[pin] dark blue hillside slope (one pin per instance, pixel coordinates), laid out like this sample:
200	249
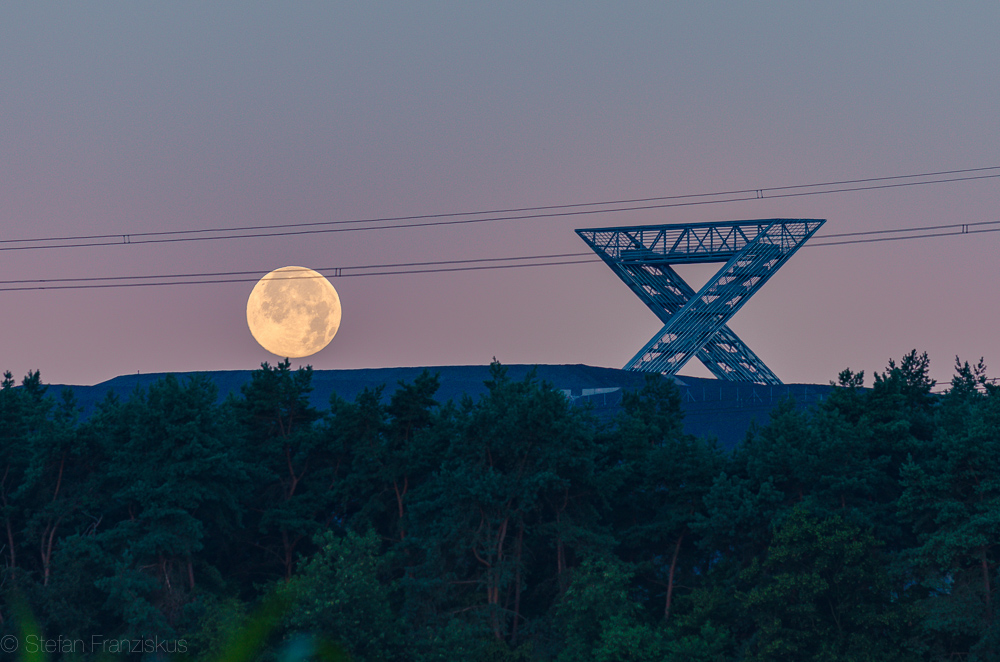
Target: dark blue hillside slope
711	407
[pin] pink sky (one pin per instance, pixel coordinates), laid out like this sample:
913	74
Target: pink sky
125	118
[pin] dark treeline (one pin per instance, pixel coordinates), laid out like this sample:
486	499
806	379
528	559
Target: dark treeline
516	527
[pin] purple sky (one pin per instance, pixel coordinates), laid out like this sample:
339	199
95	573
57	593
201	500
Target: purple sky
133	117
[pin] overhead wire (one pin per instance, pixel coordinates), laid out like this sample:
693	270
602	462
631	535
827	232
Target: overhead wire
511	210
476	264
295	269
510	214
443	266
328	272
957	229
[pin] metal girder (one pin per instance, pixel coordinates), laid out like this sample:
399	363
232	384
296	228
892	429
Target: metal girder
695	322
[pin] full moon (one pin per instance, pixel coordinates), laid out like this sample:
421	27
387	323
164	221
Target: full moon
293	312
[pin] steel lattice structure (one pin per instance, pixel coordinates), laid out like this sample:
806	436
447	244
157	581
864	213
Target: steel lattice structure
695	322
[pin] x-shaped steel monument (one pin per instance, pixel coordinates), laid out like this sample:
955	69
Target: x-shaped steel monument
695	322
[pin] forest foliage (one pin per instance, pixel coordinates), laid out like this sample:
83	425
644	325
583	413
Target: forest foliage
515	527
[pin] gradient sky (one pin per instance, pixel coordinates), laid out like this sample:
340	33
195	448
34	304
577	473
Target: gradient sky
132	117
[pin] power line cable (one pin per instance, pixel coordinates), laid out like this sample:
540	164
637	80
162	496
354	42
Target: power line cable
254	279
913	229
443	266
337	270
513	209
960	229
460	218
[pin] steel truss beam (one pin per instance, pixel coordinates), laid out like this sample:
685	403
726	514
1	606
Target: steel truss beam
695	322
